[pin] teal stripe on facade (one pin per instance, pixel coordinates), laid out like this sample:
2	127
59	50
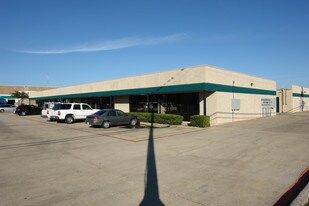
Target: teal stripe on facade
299	95
7	97
165	89
226	88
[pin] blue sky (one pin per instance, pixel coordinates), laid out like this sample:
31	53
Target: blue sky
63	42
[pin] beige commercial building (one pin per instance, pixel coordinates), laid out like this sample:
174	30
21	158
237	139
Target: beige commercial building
6	93
294	99
224	95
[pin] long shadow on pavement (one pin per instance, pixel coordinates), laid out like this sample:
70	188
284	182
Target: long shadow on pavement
151	192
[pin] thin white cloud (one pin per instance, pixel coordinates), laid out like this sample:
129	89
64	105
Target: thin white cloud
111	45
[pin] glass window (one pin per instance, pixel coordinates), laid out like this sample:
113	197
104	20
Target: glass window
101	112
76	106
120	113
62	106
57	106
185	104
138	103
65	106
112	113
86	107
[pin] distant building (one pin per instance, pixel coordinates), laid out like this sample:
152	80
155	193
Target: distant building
224	95
294	99
6	93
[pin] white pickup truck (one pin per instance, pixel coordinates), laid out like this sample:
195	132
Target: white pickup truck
69	112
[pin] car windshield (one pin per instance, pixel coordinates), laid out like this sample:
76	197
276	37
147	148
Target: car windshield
101	112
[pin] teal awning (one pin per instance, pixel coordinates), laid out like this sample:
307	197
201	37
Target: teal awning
7	97
164	89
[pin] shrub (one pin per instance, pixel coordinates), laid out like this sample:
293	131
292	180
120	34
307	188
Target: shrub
200	121
171	119
143	117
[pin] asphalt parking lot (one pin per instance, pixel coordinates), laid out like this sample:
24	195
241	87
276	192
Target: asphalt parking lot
244	163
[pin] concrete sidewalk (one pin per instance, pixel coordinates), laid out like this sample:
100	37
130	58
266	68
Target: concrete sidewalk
244	163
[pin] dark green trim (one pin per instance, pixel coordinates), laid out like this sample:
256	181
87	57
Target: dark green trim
7	97
299	95
165	89
227	88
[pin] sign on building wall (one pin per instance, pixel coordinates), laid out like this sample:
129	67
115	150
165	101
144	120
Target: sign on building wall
235	104
267	105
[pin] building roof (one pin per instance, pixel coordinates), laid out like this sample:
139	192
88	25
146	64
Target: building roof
195	78
6	89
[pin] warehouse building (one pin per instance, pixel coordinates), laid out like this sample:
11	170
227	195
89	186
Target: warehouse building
224	95
294	99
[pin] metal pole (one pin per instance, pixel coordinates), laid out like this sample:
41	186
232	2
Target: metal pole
285	101
233	88
204	102
148	109
110	102
282	100
233	100
302	99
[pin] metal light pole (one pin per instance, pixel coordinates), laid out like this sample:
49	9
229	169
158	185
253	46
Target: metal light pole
233	100
302	99
282	100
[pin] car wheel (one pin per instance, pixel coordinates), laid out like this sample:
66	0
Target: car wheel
133	122
106	124
2	110
23	113
69	119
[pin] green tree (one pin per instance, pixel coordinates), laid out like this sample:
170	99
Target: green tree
20	95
